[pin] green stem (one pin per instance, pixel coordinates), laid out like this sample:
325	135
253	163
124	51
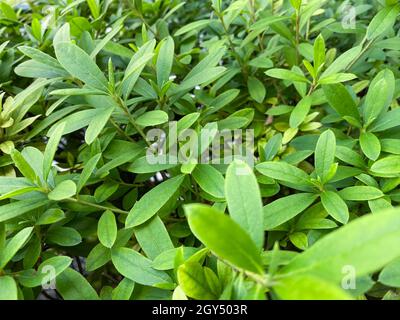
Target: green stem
97	206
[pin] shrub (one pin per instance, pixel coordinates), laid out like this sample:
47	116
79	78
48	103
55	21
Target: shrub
203	150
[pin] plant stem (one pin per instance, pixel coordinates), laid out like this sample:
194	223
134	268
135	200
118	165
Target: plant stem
97	206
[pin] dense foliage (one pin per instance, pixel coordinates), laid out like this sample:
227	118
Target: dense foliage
85	215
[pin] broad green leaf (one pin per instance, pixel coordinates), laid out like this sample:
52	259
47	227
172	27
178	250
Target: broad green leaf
78	63
17	208
196	25
388	165
379	96
107	229
362	244
285	75
335	206
210	180
124	290
137	268
370	145
224	237
360	193
244	200
256	89
193	280
340	99
285	208
63	190
272	147
390	275
63	236
23	166
152	118
14	245
153	237
97	124
336	78
73	286
308	287
153	201
300	112
319	52
383	21
325	154
164	61
284	172
9	290
50	216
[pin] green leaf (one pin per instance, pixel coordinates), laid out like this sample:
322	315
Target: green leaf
340	99
360	193
224	237
152	118
368	236
300	112
137	268
285	75
196	25
97	124
370	145
382	22
63	190
319	52
78	63
124	290
272	147
379	96
23	166
336	78
244	200
256	89
308	287
390	274
9	290
73	286
164	61
335	206
87	171
193	280
284	172
153	201
388	165
50	216
325	154
285	208
107	229
63	236
51	149
15	209
153	237
14	245
210	180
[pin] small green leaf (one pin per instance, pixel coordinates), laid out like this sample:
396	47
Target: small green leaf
51	149
284	172
152	118
285	208
244	200
136	267
210	180
335	206
14	245
153	201
325	154
256	89
370	145
164	61
285	75
390	274
224	237
107	229
63	190
73	286
360	193
388	165
9	290
300	112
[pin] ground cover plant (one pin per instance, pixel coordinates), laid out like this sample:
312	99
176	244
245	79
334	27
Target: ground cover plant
97	95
